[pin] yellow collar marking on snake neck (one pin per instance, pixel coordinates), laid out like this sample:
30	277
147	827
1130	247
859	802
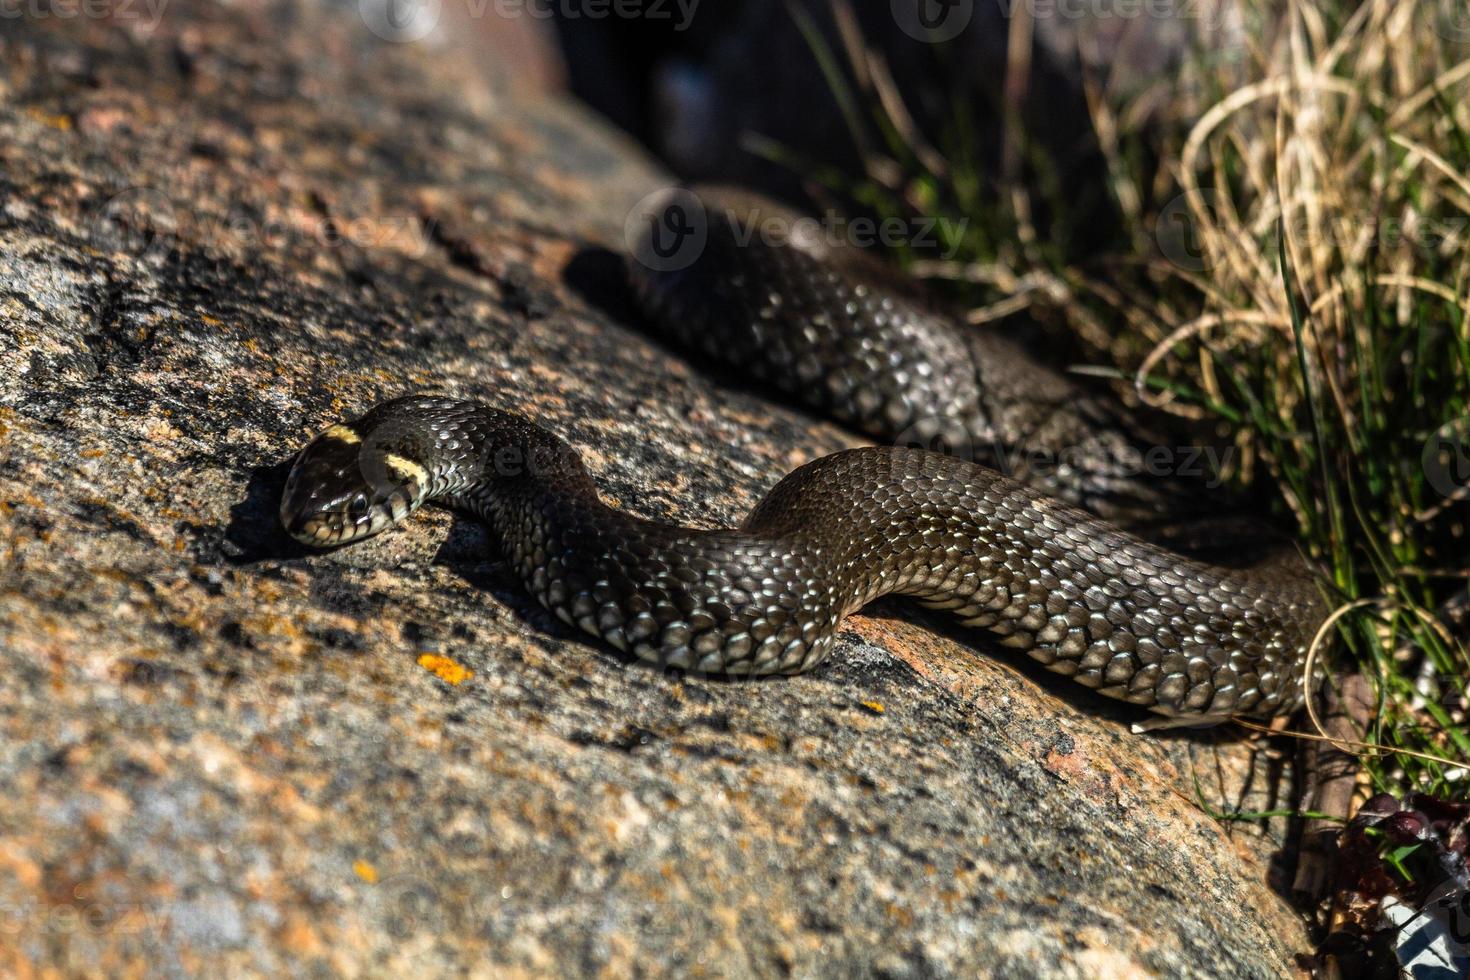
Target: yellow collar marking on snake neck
343	434
405	469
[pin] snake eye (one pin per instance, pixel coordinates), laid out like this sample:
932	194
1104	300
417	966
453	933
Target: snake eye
358	505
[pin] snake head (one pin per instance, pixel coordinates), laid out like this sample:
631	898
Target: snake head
343	488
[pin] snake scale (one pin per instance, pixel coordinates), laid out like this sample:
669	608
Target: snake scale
1044	567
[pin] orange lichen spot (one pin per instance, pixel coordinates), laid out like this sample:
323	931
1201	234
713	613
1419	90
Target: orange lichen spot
445	669
210	321
876	707
365	871
49	119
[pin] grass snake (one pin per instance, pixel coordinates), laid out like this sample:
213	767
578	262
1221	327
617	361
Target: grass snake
1039	558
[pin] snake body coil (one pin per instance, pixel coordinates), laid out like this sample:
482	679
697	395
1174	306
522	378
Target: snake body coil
1121	615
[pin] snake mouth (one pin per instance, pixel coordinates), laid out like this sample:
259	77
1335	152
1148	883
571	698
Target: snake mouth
332	529
342	522
338	494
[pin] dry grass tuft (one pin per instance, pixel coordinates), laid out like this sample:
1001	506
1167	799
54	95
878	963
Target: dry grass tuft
1328	311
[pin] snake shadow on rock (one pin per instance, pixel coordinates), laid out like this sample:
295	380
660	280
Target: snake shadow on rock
254	533
1061	686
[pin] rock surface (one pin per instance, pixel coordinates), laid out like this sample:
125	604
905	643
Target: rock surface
222	755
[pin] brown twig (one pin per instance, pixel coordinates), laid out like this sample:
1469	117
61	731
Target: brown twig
1331	776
